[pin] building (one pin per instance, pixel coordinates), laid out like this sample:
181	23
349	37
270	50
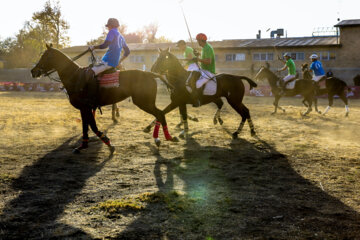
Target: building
339	53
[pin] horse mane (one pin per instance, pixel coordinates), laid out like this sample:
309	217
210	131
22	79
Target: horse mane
63	55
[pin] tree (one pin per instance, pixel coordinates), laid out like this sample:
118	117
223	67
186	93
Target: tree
53	27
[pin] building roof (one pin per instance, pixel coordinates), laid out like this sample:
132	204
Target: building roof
235	43
348	23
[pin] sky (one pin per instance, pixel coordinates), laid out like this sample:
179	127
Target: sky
218	19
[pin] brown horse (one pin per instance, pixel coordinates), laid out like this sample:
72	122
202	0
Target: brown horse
334	86
140	86
229	86
302	87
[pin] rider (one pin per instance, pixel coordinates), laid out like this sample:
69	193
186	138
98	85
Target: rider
290	66
319	73
188	55
116	42
207	64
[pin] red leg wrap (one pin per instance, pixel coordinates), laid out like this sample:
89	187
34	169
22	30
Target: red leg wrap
103	138
166	133
156	129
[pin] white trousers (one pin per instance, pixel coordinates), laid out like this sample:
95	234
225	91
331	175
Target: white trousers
317	78
100	68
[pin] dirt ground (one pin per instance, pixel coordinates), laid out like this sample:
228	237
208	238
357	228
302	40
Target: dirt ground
298	179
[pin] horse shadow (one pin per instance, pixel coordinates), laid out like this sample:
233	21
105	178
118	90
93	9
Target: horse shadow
245	190
45	188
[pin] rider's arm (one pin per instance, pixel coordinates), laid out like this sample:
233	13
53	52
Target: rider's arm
126	53
205	61
283	68
102	46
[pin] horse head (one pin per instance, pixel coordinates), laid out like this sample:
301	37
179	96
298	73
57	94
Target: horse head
305	71
45	63
262	73
166	61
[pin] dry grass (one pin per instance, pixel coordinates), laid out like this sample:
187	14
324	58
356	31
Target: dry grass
298	179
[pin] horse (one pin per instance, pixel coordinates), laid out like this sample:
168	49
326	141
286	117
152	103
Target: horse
139	85
302	87
334	86
229	86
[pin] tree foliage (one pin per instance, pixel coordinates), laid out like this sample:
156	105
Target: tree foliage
46	26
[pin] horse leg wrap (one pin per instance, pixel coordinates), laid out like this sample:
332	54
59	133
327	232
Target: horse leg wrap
103	138
166	133
156	130
84	144
240	126
251	125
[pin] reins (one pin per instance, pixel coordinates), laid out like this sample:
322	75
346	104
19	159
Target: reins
93	60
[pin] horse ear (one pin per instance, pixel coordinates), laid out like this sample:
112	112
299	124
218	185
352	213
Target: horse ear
51	45
47	46
168	49
160	50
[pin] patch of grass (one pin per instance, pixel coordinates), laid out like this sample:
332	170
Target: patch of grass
173	200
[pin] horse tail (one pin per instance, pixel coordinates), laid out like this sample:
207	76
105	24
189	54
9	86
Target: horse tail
168	85
250	81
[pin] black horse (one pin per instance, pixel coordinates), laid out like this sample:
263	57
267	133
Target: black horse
140	86
229	86
302	87
334	86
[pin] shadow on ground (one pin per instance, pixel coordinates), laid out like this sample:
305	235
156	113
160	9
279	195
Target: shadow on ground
248	190
45	188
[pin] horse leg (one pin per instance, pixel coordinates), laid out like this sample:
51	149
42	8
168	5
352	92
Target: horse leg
114	110
244	112
85	137
304	102
331	101
159	119
316	105
168	109
309	100
219	103
184	117
276	104
101	135
345	100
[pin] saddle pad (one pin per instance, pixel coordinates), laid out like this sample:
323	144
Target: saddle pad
109	80
209	89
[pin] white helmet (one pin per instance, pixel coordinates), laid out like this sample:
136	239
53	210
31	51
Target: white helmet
287	54
314	56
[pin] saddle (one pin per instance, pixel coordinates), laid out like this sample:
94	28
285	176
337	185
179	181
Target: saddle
108	78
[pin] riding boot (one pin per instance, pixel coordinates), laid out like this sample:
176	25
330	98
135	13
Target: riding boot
195	93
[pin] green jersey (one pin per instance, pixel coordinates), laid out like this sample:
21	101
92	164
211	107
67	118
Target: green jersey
291	67
189	52
208	52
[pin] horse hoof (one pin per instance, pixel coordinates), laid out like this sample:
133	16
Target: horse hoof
221	121
76	151
182	135
175	139
147	129
178	126
195	119
319	112
346	114
112	150
283	110
253	133
272	113
157	142
115	121
235	135
215	121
